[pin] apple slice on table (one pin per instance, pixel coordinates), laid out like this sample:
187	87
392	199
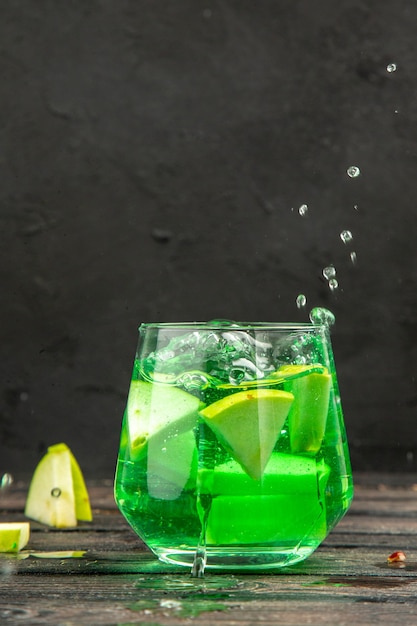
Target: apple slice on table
14	536
57	493
248	424
160	411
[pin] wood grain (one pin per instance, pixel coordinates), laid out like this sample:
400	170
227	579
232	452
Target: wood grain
117	581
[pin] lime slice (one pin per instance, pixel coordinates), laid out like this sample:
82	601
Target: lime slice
248	424
158	410
13	536
308	414
57	493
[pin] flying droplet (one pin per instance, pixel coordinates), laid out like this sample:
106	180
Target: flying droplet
353	257
391	67
333	284
329	272
346	236
301	301
303	210
322	316
56	492
353	171
6	481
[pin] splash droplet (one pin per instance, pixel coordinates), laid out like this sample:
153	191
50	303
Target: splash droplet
353	171
303	210
322	316
346	236
56	492
301	301
391	67
170	604
6	481
353	257
329	272
333	284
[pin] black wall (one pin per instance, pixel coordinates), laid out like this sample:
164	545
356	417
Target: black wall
153	157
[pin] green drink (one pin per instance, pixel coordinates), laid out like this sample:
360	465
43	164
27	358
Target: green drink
233	447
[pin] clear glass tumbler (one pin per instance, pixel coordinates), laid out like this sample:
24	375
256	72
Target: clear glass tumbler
233	453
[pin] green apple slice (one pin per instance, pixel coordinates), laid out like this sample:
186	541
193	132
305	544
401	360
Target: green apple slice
248	424
308	415
160	410
172	465
57	493
13	536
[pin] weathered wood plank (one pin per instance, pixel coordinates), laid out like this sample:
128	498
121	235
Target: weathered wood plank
117	580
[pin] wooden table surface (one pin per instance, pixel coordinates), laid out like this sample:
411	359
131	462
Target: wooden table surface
100	573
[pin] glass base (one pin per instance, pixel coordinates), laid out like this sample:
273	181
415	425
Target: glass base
237	558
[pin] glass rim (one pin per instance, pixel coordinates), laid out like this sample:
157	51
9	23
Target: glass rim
232	326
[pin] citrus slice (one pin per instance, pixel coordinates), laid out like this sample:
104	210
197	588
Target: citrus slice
158	410
13	536
308	415
248	424
57	493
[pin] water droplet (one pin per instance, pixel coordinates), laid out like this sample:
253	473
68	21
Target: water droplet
391	67
329	272
163	449
353	257
333	284
346	236
322	316
170	604
303	210
199	564
221	322
355	206
56	492
301	301
6	481
353	171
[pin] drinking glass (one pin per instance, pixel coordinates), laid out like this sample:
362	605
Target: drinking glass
233	452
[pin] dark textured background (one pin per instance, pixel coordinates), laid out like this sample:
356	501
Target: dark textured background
153	156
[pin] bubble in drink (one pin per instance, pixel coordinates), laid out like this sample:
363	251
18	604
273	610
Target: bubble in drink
322	316
391	67
353	171
329	272
6	481
333	284
303	210
301	301
346	236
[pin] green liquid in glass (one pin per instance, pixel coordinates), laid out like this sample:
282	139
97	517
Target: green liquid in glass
185	485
